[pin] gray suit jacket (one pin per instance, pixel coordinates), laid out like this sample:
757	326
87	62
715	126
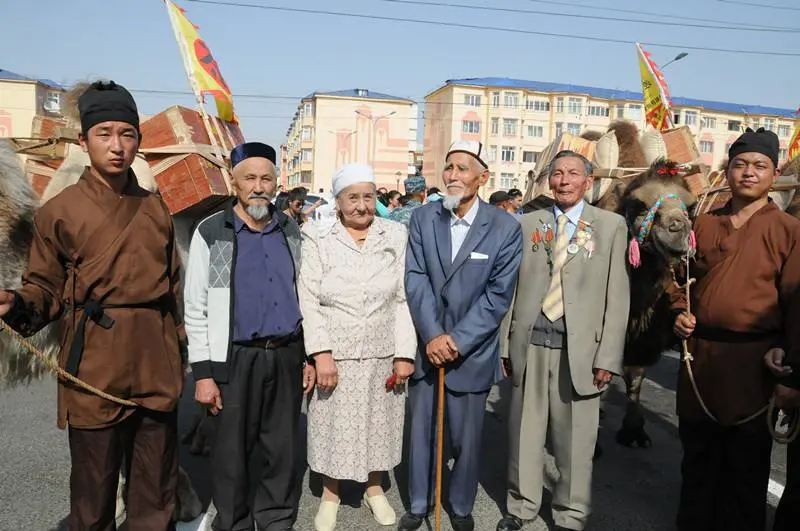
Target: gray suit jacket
466	298
596	298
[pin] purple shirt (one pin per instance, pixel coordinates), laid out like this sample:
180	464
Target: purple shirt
265	298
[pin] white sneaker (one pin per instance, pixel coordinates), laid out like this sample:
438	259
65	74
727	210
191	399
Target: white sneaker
326	516
381	510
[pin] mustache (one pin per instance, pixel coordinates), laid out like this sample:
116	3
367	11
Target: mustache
266	197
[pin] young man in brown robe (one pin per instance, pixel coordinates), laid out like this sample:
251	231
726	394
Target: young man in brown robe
104	259
744	302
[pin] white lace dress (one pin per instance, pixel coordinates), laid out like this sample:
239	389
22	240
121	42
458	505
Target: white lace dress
354	305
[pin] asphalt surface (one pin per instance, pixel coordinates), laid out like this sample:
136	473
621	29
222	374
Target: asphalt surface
634	489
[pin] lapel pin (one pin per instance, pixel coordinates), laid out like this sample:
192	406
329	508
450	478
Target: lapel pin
572	248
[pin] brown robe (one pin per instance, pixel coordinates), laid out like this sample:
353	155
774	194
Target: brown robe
118	250
746	300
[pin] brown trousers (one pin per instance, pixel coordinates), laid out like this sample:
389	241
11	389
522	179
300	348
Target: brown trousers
146	444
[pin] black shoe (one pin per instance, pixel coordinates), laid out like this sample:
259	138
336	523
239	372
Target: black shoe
410	522
462	523
510	523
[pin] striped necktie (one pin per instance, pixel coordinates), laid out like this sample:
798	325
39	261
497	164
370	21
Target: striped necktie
553	306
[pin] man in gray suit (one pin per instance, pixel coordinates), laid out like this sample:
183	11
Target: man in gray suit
567	332
461	268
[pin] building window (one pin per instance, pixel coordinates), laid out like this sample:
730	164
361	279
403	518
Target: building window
769	124
537	105
507	181
530	156
598	110
620	111
706	146
495	126
635	112
709	122
472	100
560	104
574	129
306	133
52	101
306	155
307	109
784	131
511	100
574	105
495	99
559	128
509	127
755	123
782	154
690	117
676	117
492	154
491	180
507	155
469	126
536	131
734	125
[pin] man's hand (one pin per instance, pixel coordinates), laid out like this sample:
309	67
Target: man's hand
6	299
309	377
786	397
403	369
441	350
602	378
207	393
684	325
327	374
774	362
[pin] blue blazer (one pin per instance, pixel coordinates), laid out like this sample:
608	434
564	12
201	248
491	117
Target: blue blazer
466	298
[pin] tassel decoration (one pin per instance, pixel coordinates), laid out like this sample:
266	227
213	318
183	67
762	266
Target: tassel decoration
692	240
634	258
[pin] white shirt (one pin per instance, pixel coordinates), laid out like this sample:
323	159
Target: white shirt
573	216
459	227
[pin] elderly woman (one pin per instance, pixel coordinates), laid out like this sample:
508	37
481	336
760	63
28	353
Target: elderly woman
358	328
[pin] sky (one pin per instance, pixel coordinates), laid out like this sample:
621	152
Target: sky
283	56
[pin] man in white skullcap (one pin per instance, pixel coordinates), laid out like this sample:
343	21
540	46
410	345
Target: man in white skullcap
461	270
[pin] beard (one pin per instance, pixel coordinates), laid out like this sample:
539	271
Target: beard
451	202
258	211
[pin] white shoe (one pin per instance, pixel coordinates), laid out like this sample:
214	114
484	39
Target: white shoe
326	516
381	510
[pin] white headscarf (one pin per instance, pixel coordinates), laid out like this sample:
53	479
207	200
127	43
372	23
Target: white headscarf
350	174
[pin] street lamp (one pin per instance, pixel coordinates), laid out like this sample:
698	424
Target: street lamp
374	120
677	58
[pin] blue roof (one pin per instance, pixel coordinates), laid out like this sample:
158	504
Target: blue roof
353	93
610	94
11	76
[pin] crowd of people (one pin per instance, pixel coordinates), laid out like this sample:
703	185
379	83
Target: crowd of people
369	311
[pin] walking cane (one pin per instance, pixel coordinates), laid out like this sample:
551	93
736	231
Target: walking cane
439	450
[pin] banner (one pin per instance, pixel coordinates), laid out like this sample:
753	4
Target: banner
655	92
794	144
201	67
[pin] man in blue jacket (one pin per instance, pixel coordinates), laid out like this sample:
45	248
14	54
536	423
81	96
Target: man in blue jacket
461	270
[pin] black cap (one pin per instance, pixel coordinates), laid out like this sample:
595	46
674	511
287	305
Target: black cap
105	101
761	141
498	197
252	149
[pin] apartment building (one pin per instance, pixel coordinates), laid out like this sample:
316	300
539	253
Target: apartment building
22	98
516	119
330	129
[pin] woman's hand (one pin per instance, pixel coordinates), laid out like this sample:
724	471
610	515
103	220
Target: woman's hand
327	375
403	369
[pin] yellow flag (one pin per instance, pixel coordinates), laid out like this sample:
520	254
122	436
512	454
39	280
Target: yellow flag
201	67
655	92
794	144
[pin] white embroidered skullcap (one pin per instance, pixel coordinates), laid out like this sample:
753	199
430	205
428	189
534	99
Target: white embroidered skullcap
471	147
350	174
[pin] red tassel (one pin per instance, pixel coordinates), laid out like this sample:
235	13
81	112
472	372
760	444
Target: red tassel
692	240
634	258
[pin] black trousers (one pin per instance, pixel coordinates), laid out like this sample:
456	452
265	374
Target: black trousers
146	444
260	403
725	473
787	518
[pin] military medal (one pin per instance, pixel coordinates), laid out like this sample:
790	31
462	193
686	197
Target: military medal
536	238
572	248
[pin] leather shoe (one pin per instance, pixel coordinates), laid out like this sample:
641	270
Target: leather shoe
410	522
462	523
510	523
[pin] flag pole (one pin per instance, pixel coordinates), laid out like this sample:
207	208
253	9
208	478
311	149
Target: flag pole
217	150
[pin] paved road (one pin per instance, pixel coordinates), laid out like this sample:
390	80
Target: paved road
635	490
